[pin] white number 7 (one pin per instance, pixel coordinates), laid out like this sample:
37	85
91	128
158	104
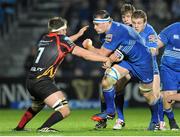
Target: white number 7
39	54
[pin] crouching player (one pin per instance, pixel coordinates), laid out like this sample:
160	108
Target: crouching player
52	48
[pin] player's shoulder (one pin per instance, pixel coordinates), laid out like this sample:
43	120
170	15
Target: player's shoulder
149	28
118	26
171	28
66	39
174	25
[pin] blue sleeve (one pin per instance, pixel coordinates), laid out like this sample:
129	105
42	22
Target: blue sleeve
163	36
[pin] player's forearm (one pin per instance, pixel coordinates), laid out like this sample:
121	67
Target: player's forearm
88	55
95	50
74	37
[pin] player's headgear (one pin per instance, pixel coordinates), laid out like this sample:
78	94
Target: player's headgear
101	16
56	24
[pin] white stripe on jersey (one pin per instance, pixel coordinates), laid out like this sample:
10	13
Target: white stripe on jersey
170	53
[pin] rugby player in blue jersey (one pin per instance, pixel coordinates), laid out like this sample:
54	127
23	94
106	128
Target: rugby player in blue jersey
126	13
123	41
147	32
170	68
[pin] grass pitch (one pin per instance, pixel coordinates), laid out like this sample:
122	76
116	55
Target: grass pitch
80	124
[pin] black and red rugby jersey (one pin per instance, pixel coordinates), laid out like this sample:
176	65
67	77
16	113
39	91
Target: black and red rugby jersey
52	49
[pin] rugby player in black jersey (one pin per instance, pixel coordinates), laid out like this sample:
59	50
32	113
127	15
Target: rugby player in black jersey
52	48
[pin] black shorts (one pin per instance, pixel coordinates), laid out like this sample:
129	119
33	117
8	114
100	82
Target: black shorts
41	89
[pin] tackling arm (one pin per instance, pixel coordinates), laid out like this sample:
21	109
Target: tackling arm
115	57
88	55
87	44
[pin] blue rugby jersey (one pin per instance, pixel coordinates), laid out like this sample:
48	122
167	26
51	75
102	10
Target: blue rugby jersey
170	36
150	39
149	36
129	42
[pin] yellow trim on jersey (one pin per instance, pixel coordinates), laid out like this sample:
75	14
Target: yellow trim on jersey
50	72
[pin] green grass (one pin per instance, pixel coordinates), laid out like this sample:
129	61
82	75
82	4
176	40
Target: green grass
79	124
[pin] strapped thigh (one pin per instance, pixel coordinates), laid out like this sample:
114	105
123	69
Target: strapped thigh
144	90
59	104
111	77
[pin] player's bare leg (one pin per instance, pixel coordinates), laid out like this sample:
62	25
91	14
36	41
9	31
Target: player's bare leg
58	102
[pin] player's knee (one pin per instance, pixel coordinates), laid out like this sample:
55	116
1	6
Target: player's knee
106	84
111	77
166	104
37	105
62	106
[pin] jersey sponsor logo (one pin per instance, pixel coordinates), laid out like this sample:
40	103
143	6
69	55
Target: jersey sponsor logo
51	71
152	38
108	38
44	42
68	40
175	36
36	69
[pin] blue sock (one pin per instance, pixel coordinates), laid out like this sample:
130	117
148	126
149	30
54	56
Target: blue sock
169	113
119	102
109	99
154	112
103	106
160	110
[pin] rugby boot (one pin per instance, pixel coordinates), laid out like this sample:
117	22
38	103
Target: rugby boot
101	124
153	126
47	129
162	126
173	125
119	124
102	116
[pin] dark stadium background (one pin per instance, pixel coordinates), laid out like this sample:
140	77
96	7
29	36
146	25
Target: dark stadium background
22	22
